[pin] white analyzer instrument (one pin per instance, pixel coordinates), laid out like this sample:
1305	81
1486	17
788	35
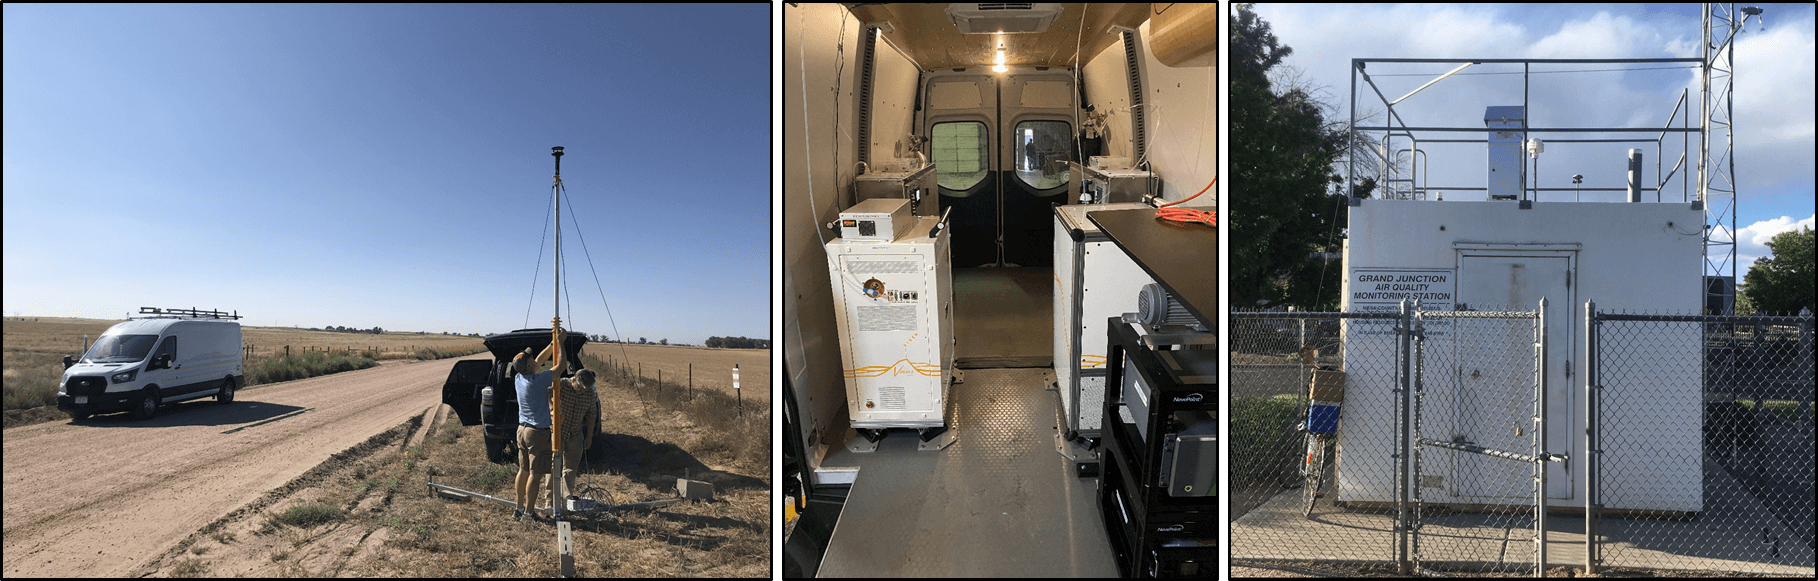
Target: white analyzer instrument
1093	281
894	309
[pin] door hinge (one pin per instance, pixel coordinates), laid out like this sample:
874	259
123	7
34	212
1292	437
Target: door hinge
1568	369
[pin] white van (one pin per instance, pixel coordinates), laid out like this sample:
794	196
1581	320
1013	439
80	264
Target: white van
142	364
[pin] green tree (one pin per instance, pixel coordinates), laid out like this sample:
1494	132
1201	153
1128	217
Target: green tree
1782	283
1282	149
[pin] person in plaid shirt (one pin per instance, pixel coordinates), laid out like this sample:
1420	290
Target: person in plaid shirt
579	417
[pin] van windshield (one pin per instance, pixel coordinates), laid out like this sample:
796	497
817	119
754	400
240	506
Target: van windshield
120	348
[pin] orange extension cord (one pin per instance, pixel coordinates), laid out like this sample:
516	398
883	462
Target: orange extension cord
1207	217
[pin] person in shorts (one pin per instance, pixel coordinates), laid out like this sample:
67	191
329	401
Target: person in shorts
533	424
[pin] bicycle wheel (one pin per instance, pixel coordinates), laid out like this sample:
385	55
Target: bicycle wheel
1315	470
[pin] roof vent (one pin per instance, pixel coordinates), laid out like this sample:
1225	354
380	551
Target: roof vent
1003	17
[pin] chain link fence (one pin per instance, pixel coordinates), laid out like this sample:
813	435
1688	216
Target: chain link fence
1274	356
1683	443
1701	453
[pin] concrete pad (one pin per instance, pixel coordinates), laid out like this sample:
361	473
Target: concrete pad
1727	536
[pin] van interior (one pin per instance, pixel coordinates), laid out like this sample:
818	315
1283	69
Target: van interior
1018	109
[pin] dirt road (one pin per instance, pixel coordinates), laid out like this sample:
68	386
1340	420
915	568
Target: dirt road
99	497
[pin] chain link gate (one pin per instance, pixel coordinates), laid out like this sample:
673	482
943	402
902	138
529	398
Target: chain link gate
1480	460
1440	462
1700	450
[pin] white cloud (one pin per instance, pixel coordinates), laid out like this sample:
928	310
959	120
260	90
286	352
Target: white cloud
1774	88
1601	36
1751	240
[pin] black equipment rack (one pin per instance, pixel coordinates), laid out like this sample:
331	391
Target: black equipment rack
1152	533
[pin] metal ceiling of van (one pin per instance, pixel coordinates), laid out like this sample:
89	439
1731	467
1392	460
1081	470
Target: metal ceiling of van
932	41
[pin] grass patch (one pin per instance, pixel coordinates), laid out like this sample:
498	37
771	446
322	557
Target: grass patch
428	353
1263	438
303	366
493	477
309	515
32	385
189	568
731	436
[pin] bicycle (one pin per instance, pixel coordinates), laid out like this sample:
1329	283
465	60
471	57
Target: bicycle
1320	426
1314	469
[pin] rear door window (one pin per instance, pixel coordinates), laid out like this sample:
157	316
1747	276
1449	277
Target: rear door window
1042	149
962	154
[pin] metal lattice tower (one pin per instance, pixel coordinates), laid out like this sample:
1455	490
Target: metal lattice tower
1716	160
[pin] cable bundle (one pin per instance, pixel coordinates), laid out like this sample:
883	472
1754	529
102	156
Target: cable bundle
1207	217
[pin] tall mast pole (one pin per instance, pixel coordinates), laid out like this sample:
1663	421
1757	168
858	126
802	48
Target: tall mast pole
556	191
555	338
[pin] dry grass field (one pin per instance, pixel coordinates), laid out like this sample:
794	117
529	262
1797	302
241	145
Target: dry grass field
35	347
712	367
265	341
368	512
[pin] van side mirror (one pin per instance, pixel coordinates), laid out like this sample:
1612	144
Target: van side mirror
68	363
160	362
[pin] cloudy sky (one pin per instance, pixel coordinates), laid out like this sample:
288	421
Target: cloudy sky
1773	94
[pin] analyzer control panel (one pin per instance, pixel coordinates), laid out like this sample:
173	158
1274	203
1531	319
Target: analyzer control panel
876	219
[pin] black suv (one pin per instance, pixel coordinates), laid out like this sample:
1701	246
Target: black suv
484	393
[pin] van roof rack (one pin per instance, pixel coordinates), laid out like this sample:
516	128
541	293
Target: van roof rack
155	312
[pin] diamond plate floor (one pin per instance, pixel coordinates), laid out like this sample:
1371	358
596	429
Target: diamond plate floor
1003	313
999	501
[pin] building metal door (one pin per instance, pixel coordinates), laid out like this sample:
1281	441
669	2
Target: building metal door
1490	410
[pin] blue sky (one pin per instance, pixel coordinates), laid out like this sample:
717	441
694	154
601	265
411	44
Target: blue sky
389	165
1773	96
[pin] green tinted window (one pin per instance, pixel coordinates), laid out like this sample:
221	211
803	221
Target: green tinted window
961	154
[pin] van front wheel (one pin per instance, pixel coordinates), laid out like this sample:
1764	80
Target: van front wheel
227	392
148	404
